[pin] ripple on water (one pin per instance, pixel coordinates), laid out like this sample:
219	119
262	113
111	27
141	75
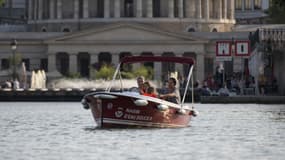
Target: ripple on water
53	131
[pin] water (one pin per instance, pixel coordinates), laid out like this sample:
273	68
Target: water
59	131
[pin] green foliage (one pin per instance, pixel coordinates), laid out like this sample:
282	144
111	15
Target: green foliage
277	11
127	75
18	59
106	72
1	3
147	72
74	75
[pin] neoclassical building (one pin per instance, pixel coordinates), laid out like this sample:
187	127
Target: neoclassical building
175	15
72	36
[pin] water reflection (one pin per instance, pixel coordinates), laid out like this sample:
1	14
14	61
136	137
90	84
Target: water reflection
52	131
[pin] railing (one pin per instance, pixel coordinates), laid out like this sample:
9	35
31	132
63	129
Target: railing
6	20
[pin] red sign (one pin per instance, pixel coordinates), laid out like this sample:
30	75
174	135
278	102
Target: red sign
242	48
223	48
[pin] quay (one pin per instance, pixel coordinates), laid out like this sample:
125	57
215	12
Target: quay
75	95
243	99
54	95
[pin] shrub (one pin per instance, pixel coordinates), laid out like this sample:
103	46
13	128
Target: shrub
74	75
105	72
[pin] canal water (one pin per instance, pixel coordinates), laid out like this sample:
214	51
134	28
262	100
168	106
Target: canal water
65	131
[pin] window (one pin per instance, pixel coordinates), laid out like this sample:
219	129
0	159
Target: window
191	30
129	8
100	8
5	64
44	64
67	9
156	8
209	66
44	29
66	30
215	30
257	4
248	5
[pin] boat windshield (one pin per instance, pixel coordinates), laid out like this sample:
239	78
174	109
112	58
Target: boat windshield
159	74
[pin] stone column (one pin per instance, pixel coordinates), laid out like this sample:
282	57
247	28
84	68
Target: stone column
117	8
51	9
242	5
251	3
198	9
200	60
190	8
85	9
206	10
170	8
115	58
52	62
106	8
73	63
136	66
40	11
180	9
157	71
179	66
93	58
225	9
219	10
76	9
232	10
30	10
139	9
149	9
59	11
35	10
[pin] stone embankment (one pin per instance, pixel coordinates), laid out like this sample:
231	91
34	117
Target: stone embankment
75	95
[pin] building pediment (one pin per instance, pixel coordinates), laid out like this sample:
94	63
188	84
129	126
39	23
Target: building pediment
122	33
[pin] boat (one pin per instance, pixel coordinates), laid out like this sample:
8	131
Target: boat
127	109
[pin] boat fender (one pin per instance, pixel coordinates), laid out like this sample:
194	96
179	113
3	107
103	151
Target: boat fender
85	104
105	96
194	113
181	111
141	102
162	107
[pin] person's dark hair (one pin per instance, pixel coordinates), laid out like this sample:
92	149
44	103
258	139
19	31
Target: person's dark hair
173	80
150	90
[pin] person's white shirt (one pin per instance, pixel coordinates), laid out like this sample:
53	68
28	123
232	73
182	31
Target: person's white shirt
16	84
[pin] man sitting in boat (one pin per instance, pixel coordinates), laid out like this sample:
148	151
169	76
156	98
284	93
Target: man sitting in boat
140	82
171	94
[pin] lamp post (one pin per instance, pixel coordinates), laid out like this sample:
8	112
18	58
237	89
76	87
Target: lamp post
13	48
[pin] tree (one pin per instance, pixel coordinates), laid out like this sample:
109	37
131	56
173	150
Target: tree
1	3
277	11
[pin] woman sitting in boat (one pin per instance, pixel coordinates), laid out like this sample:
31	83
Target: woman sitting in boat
149	90
171	94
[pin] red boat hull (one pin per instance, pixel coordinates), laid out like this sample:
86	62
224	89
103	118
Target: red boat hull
119	110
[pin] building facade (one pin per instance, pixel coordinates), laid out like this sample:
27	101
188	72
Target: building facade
178	15
251	11
81	34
